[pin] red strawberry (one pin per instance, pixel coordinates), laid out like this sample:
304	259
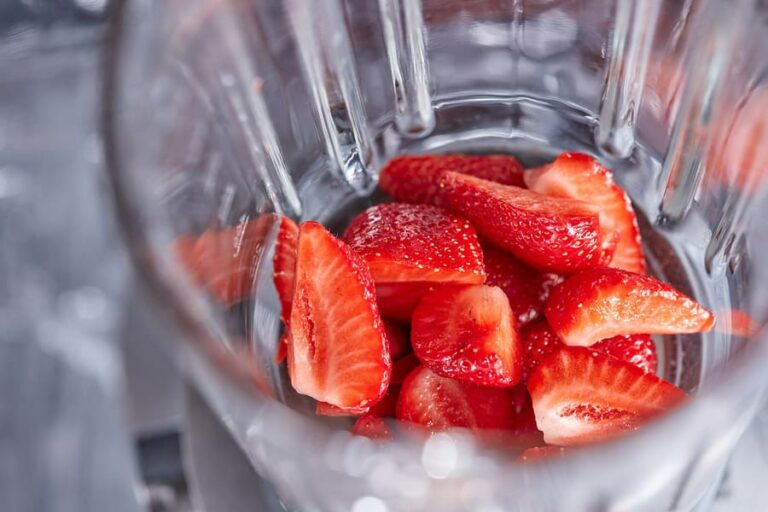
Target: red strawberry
542	452
539	341
467	332
579	176
524	425
636	349
581	396
398	300
282	348
223	261
371	426
414	179
439	403
403	367
387	407
284	264
526	287
409	248
601	303
339	352
326	409
551	234
398	340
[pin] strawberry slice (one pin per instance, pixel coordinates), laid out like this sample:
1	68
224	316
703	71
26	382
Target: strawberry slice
524	426
410	248
339	352
387	406
526	287
414	179
403	367
539	341
636	349
282	348
398	340
605	302
551	234
580	176
542	452
284	265
468	333
372	427
438	403
581	396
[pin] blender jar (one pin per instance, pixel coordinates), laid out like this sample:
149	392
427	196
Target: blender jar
221	114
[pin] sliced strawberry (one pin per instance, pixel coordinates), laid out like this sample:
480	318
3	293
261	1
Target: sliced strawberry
282	348
326	409
387	406
605	302
398	340
398	300
581	396
339	352
403	367
438	403
223	261
542	452
413	242
524	425
539	341
372	427
579	176
551	234
467	332
414	179
284	265
526	287
636	349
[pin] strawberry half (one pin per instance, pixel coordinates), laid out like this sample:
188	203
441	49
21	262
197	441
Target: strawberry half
409	248
468	333
527	289
339	352
539	341
414	179
605	302
438	403
581	396
551	234
372	427
579	176
284	265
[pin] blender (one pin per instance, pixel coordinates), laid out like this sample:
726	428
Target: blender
221	114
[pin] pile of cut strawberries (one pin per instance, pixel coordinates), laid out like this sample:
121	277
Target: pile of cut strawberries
487	297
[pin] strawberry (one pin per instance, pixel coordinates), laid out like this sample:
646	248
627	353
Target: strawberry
579	176
372	427
467	332
398	340
539	341
438	403
339	352
526	287
601	303
223	261
636	349
524	425
737	322
284	265
542	452
282	348
398	300
414	179
387	406
551	234
403	367
581	396
410	248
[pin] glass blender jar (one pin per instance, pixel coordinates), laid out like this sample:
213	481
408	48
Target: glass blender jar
220	114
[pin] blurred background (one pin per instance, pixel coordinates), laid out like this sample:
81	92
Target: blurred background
93	417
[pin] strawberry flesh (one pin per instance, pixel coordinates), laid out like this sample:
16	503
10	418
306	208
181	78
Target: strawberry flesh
468	332
582	396
579	176
372	427
339	352
438	403
551	234
601	303
415	179
526	288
